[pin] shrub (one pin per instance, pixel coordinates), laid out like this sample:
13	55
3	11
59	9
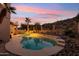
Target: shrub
70	33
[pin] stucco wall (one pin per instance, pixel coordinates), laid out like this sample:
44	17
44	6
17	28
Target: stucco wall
5	28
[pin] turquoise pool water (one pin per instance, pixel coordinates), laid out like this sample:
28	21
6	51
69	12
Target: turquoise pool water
37	43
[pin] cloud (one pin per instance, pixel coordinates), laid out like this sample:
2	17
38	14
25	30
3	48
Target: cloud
42	10
49	16
42	15
18	19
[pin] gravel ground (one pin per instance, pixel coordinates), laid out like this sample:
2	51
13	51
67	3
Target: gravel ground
70	49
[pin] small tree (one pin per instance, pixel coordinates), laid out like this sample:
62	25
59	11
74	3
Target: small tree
37	26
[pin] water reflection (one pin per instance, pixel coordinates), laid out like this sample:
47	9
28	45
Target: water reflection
36	43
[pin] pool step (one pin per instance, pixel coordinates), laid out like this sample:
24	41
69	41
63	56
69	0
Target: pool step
61	43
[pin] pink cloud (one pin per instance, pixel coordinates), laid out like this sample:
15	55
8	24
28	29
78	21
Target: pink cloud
42	10
18	19
46	14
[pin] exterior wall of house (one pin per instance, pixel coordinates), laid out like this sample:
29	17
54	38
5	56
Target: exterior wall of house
13	29
4	27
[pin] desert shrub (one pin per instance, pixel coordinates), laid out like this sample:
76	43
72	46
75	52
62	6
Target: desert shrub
69	33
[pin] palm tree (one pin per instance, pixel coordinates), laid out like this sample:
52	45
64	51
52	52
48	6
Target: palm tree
27	21
6	9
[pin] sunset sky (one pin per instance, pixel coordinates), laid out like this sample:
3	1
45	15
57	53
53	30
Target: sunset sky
44	12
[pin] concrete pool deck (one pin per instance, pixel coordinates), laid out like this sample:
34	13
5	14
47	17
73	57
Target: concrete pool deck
14	46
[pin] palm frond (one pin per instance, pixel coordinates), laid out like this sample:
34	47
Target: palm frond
27	19
12	11
12	8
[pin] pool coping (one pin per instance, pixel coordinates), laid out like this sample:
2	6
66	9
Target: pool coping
14	47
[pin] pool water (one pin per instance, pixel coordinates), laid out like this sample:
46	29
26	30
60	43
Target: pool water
37	43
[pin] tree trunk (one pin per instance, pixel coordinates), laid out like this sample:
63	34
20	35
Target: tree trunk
27	26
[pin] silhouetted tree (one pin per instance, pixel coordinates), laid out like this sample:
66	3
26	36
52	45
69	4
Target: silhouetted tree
37	26
28	20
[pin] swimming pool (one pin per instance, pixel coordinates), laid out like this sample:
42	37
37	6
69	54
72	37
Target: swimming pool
37	43
16	45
